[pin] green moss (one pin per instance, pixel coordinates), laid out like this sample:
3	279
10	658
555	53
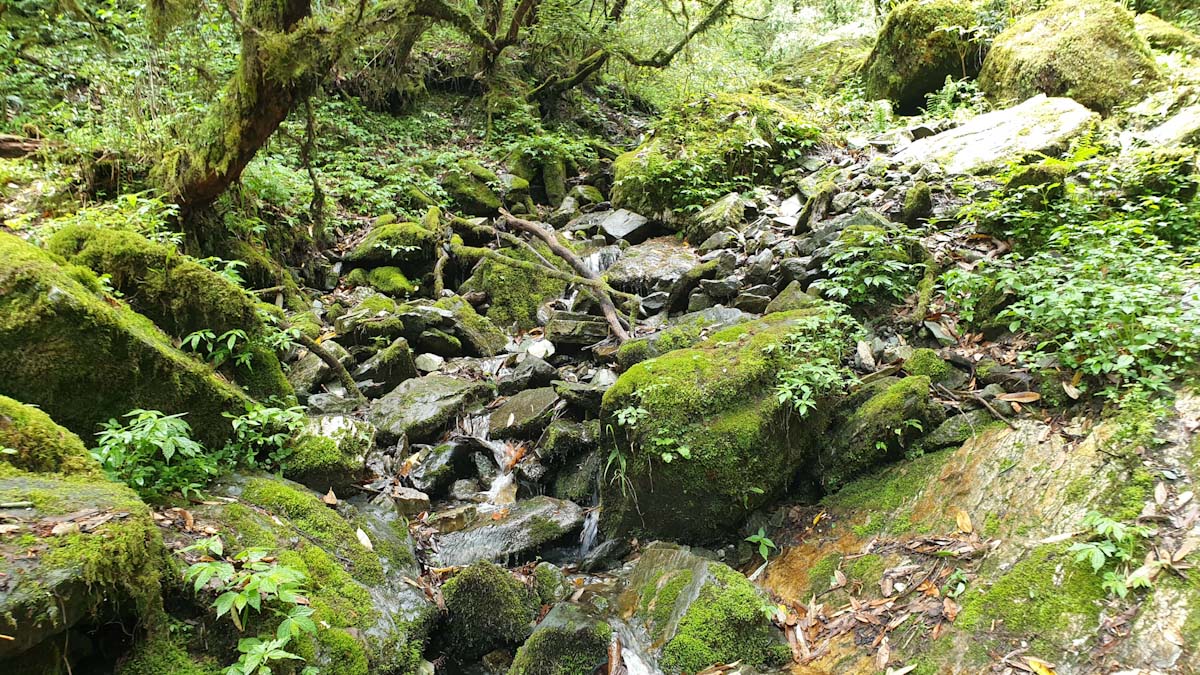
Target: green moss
913	55
481	332
394	242
1165	36
469	185
926	362
514	294
725	623
162	656
820	575
85	359
41	445
319	456
867	568
177	293
548	582
888	494
918	203
318	522
567	643
1131	495
1087	50
487	608
308	324
1045	599
389	280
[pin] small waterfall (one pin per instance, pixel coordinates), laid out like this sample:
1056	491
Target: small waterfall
587	538
633	655
503	490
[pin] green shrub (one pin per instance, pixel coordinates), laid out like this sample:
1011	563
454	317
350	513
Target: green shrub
154	454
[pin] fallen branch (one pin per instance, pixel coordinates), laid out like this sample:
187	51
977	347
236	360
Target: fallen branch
331	361
598	287
12	147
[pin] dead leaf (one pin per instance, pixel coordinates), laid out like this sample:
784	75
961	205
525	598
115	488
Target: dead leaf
1183	498
883	655
330	498
500	515
949	609
1160	493
65	528
964	521
1039	666
1020	397
1071	391
903	671
364	540
817	518
9	528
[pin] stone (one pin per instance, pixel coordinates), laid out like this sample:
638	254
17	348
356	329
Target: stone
465	489
654	265
576	480
623	224
582	397
528	525
726	214
759	268
719	240
435	468
331	452
439	342
331	403
524	415
421	408
429	363
388	367
530	372
310	372
698	302
566	642
586	194
566	438
572	328
992	141
1165	36
453	519
1182	128
566	212
751	303
409	502
720	289
1086	50
791	297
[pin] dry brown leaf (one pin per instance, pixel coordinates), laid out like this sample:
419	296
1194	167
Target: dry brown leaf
883	655
839	579
964	521
949	609
1160	493
64	528
1020	397
1072	391
330	498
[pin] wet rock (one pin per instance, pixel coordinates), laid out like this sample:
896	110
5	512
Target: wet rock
617	225
992	140
583	397
566	438
331	453
331	403
528	525
424	406
531	371
310	372
524	415
435	468
654	265
453	519
605	555
573	328
465	489
566	642
388	367
577	479
701	612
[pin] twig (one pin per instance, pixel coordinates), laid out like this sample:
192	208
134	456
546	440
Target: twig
331	361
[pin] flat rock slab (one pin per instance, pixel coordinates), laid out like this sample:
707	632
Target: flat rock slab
1182	128
520	530
524	415
991	141
619	224
421	407
654	265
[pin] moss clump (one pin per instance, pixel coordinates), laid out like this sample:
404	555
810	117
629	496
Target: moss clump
41	445
469	184
918	203
548	582
487	608
162	656
707	149
1087	50
1165	36
1045	599
566	642
85	359
308	324
177	293
926	362
322	460
887	495
913	56
514	294
388	280
394	242
479	332
725	623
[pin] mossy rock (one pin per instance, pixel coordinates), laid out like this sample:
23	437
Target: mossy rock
330	453
514	294
1165	36
701	612
486	608
387	280
705	149
103	570
469	184
825	66
718	399
162	655
683	332
40	445
177	293
479	332
392	242
1087	50
370	619
914	55
566	642
85	358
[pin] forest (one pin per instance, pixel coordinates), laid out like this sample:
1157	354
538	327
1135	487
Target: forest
599	337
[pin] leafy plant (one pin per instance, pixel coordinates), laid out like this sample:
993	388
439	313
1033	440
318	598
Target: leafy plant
955	95
871	264
956	583
765	545
815	349
1112	542
154	454
261	434
218	350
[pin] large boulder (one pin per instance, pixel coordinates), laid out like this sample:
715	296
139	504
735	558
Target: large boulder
85	358
517	531
568	641
699	613
514	293
486	608
1087	50
918	47
35	443
989	142
422	407
178	294
1166	36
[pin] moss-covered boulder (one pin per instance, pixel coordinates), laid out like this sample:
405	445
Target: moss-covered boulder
180	295
718	400
918	47
683	331
514	294
395	243
1166	36
85	358
1087	50
824	66
388	280
472	186
85	553
369	619
699	612
706	149
422	407
566	642
31	441
486	608
330	453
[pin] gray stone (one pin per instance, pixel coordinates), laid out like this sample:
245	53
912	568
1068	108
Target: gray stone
573	328
428	363
791	297
389	366
583	397
524	415
465	489
528	525
700	301
586	194
409	502
567	438
719	240
619	224
330	404
720	289
530	372
352	441
654	265
310	372
422	407
435	468
754	304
